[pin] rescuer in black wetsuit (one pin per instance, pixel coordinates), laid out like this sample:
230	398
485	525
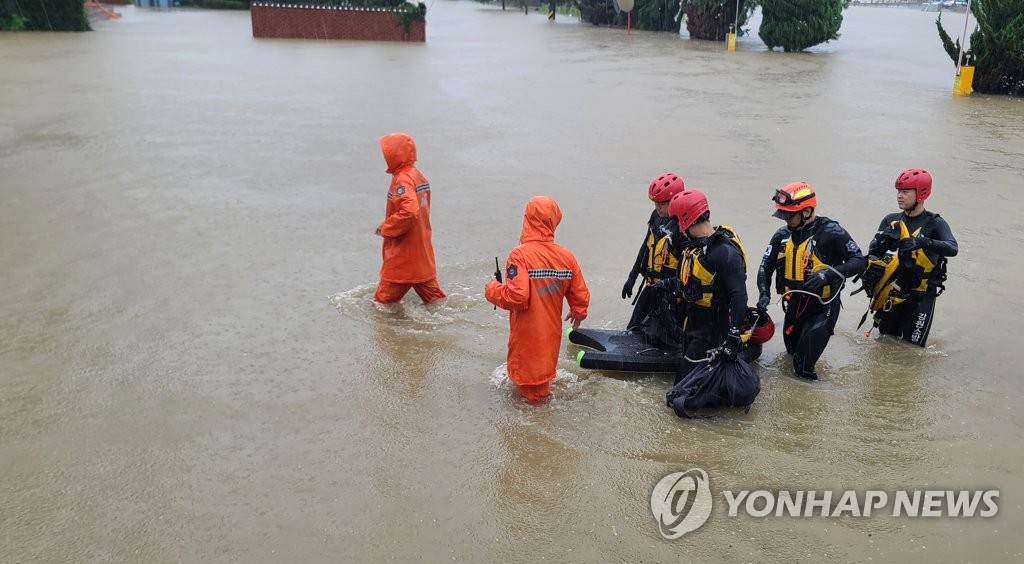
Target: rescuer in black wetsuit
811	258
922	241
712	282
659	254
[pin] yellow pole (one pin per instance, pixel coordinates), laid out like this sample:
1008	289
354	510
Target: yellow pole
731	38
964	78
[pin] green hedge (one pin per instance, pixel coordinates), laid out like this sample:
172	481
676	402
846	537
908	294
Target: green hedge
224	4
796	25
43	15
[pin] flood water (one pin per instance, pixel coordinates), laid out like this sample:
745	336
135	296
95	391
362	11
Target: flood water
191	368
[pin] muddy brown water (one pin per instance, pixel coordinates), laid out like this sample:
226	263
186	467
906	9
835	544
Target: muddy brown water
191	370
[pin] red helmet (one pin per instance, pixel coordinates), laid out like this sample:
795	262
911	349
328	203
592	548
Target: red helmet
915	179
794	197
687	206
664	187
763	327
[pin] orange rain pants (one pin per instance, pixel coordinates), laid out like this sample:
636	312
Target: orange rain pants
391	292
408	252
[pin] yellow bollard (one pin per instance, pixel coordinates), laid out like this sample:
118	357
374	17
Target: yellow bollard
963	81
551	15
731	39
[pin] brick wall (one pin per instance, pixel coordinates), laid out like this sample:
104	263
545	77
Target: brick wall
327	22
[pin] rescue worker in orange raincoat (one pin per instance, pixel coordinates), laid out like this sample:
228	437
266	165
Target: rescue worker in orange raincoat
408	250
539	274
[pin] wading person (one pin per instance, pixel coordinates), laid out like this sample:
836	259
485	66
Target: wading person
539	275
712	282
811	257
659	254
408	250
921	241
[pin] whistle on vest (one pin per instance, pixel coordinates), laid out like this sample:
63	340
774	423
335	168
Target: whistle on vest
806	259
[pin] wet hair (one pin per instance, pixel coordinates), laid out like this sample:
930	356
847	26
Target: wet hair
706	216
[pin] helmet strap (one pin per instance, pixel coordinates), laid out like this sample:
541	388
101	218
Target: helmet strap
803	218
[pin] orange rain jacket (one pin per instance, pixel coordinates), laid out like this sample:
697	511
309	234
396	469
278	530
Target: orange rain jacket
538	274
408	251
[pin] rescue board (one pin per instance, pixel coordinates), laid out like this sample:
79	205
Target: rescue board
626	351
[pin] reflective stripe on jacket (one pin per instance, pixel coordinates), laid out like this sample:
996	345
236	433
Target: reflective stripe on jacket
539	275
408	252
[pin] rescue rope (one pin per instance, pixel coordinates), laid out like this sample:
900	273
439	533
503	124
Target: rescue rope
816	296
712	354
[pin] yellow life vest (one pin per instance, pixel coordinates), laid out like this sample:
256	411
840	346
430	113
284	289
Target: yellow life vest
698	281
885	292
659	256
794	263
922	267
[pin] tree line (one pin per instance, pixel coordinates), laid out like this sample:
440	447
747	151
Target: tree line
996	45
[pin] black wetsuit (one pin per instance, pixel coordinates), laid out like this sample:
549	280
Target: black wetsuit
911	320
647	301
707	327
809	324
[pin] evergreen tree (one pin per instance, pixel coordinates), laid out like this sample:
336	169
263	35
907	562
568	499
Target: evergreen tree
43	15
599	12
649	15
712	19
796	25
996	46
656	15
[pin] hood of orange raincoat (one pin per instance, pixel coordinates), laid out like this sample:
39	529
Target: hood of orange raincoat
541	218
399	151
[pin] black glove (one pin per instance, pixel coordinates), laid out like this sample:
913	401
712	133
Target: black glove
872	275
914	243
627	289
669	285
731	345
814	282
763	301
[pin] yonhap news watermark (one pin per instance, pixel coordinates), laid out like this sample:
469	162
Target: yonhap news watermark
682	502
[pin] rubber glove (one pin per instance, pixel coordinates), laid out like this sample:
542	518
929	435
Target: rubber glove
816	281
763	301
627	288
668	285
914	243
733	342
